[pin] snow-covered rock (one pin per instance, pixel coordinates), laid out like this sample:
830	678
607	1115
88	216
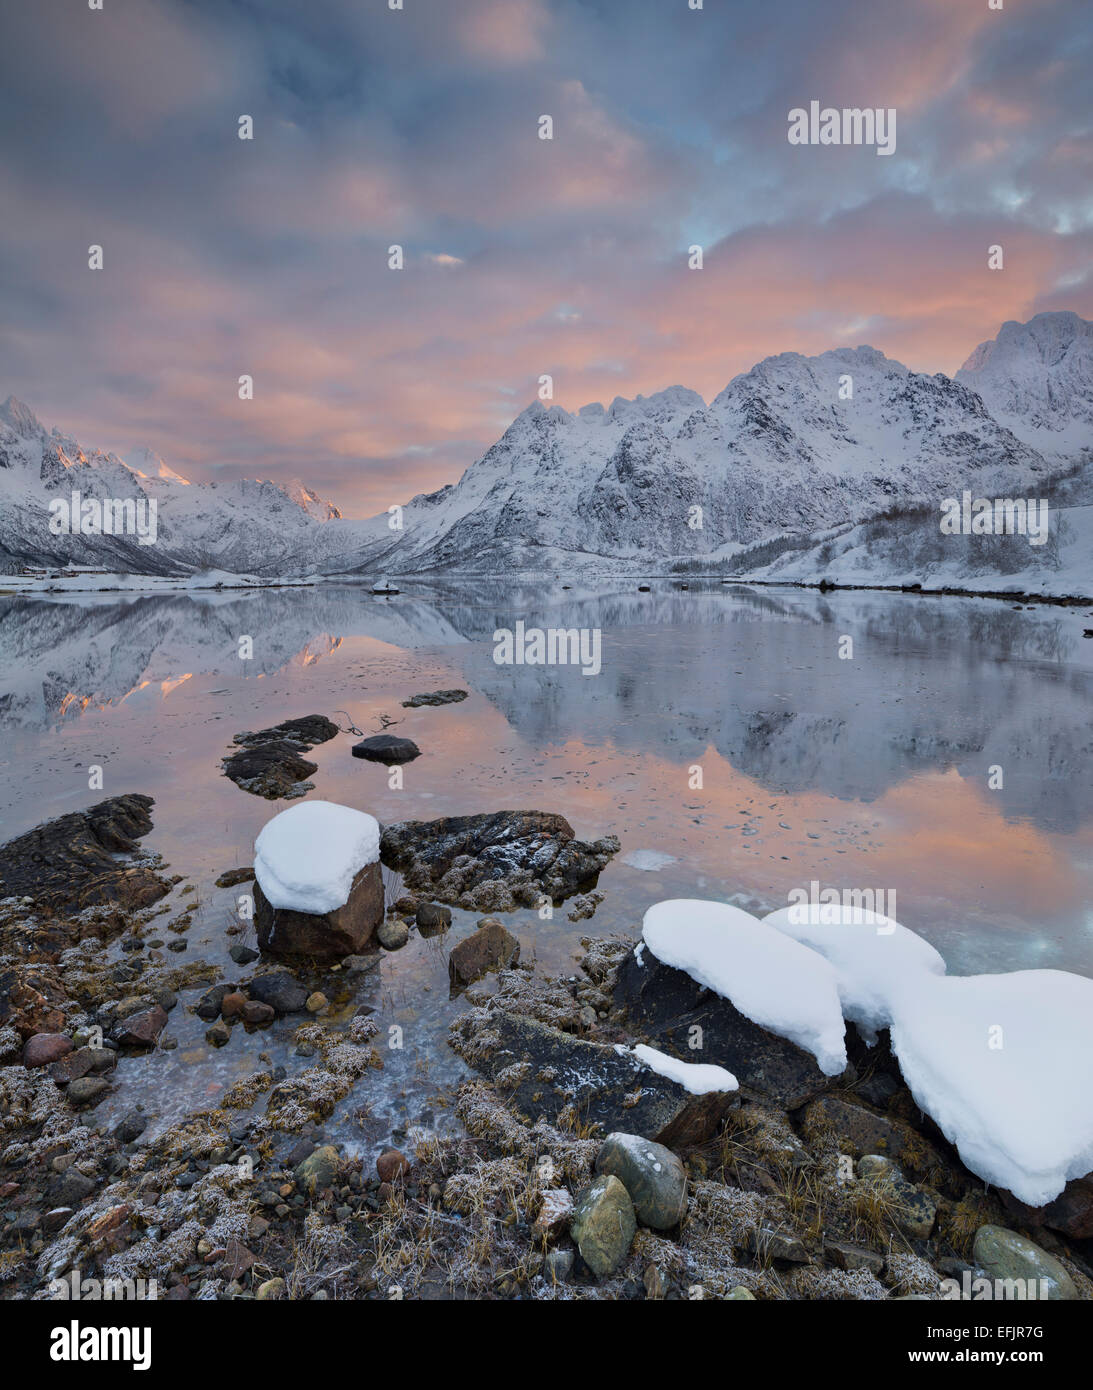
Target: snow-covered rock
771	979
871	954
1004	1065
700	1078
306	858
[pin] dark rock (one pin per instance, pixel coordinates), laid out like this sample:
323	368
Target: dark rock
433	919
131	1127
392	934
1071	1213
72	1188
495	862
208	1006
73	862
44	1048
31	999
53	1220
219	1034
86	1090
543	1071
435	697
386	748
490	947
665	1003
843	1255
233	1004
243	955
323	935
269	762
256	1012
280	991
141	1029
770	1243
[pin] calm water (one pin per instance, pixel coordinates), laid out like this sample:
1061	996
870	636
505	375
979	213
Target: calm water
870	772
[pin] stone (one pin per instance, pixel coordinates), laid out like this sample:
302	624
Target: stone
392	1165
739	1294
256	1012
1071	1213
233	1004
76	861
1003	1254
843	1255
768	1242
656	1283
316	1002
45	1048
219	1034
555	1211
495	862
652	1175
271	1291
860	1131
86	1090
243	955
360	965
208	1006
433	919
323	935
387	749
393	934
318	1170
230	877
141	1029
491	947
53	1220
603	1224
131	1127
280	991
665	1004
72	1188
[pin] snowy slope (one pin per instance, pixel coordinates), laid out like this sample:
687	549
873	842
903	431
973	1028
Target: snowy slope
795	445
240	527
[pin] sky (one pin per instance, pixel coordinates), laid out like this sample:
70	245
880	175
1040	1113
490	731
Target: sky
523	257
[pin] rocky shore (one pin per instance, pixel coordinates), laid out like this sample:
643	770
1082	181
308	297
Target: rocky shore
581	1170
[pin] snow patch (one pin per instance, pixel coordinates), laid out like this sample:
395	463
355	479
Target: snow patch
699	1078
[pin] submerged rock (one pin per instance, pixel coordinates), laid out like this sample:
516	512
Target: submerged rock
386	748
497	861
279	990
435	697
71	863
603	1225
665	1003
433	919
269	763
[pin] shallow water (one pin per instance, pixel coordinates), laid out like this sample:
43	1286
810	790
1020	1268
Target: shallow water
869	773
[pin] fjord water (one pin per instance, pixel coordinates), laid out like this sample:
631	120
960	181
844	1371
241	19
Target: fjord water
868	772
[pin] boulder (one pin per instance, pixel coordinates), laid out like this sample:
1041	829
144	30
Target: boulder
323	935
141	1029
603	1224
269	763
75	862
665	1004
280	991
652	1175
490	947
1005	1255
318	1170
392	933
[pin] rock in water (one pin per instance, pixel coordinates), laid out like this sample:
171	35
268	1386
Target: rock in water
318	889
269	763
652	1175
495	862
386	748
603	1225
1005	1255
393	934
435	697
491	947
72	862
279	990
432	919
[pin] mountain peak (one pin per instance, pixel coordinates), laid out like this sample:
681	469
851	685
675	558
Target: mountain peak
21	418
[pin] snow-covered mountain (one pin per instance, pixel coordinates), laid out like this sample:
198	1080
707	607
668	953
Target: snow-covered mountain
239	526
1036	378
797	444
